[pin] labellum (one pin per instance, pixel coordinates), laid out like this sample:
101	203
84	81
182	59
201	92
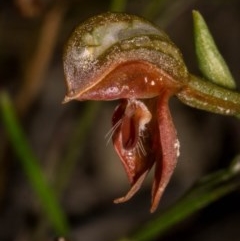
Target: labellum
120	56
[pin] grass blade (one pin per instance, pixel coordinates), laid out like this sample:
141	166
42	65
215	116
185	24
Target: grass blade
31	166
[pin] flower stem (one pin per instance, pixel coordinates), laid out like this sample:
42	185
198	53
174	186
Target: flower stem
205	95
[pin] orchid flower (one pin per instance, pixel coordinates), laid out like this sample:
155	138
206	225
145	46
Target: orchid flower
120	56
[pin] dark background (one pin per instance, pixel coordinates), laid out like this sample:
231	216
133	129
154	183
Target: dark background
32	35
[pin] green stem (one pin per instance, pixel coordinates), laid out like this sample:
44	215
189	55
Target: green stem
31	166
207	96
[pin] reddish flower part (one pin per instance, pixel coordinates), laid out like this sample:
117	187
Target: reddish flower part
143	136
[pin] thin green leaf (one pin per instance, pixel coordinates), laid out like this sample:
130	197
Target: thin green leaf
211	63
31	166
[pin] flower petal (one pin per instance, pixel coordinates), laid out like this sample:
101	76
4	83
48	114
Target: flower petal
166	163
135	187
134	152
